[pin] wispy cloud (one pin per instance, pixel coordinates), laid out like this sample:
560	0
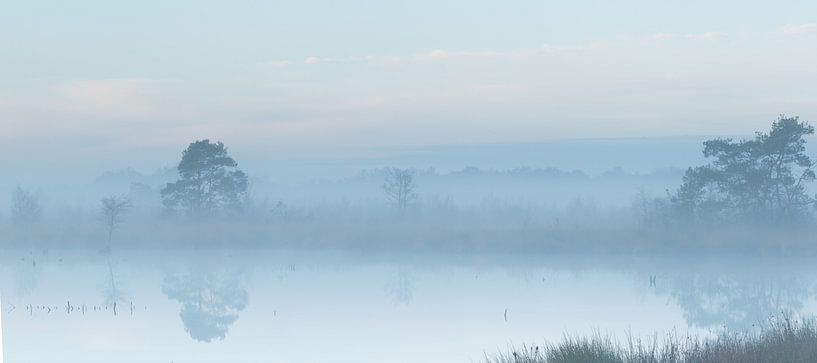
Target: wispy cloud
93	104
114	98
318	60
381	59
278	63
671	36
637	78
441	55
799	29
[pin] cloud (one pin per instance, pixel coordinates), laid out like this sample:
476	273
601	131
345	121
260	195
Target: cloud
641	77
710	35
379	59
278	63
439	55
800	29
114	98
531	52
317	60
692	36
94	106
436	54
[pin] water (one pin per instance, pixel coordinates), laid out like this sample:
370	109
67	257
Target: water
285	306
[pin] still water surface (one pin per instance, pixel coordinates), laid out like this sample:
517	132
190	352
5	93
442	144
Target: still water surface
284	306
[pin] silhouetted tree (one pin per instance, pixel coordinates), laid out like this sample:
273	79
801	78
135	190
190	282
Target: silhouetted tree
25	206
209	180
399	187
760	179
112	210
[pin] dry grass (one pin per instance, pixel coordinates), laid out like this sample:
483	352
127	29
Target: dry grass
782	339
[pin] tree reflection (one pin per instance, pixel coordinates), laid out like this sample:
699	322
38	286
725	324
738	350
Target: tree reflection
400	288
26	275
112	292
210	302
737	300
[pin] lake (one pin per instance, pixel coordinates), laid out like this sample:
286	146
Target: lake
301	306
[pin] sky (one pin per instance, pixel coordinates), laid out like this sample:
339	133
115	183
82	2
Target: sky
95	78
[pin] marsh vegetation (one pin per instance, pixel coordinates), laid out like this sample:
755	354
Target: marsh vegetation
780	339
756	195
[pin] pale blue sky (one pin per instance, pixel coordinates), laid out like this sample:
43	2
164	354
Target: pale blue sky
113	75
93	39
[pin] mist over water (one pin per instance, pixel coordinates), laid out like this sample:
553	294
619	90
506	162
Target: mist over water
221	305
388	181
461	261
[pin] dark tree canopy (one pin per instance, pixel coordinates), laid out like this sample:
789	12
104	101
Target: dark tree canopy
763	179
209	180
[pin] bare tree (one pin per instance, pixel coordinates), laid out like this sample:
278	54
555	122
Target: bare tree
25	206
400	187
112	212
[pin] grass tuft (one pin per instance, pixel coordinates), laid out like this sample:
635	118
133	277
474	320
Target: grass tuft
780	339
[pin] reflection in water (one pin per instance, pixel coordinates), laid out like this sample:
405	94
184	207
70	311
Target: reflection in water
26	274
112	292
209	292
737	301
400	288
210	302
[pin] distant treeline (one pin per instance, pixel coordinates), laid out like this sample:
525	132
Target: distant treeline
755	184
528	172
